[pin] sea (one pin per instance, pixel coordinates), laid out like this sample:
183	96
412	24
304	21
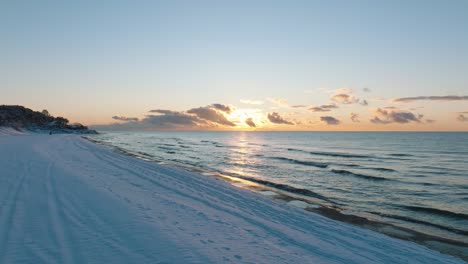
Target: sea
414	180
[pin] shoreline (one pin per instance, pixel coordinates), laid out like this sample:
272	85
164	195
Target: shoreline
64	199
331	211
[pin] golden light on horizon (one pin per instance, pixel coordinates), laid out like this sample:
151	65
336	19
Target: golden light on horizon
242	115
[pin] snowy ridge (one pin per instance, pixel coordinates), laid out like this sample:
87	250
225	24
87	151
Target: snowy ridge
8	131
66	200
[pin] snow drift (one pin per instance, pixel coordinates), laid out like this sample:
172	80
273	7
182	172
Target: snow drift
66	200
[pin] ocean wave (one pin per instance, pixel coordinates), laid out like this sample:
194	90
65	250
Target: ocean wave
209	141
248	165
165	148
421	183
417	221
255	144
378	169
301	162
296	150
427	172
400	155
364	168
368	177
350	165
341	155
435	211
439	169
144	154
285	187
332	154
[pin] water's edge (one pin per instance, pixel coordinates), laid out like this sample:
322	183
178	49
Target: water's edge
279	193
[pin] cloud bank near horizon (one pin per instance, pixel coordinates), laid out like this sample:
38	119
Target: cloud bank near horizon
395	116
323	108
214	114
279	114
462	118
125	119
446	98
330	120
275	118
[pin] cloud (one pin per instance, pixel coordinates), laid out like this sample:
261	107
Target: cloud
277	119
366	90
279	101
161	120
330	120
251	102
318	109
250	122
344	98
430	121
223	108
298	106
211	113
402	117
323	108
284	103
167	119
462	118
208	116
378	99
416	108
126	119
343	91
431	98
354	117
163	111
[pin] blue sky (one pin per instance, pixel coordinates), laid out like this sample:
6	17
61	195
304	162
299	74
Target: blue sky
90	60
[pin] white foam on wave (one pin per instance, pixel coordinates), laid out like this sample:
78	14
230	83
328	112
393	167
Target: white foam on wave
298	203
268	193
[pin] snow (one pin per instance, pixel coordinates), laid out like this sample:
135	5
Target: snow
8	131
64	199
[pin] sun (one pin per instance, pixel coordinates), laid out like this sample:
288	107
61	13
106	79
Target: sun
240	116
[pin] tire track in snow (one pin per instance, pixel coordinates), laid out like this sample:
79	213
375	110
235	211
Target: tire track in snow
100	227
56	217
8	212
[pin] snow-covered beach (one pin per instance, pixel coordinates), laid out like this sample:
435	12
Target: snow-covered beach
66	200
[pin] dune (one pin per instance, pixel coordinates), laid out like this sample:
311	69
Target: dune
67	200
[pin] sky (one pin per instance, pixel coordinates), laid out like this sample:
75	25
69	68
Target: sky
239	65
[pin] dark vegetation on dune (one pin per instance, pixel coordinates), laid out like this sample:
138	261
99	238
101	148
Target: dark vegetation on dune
22	118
